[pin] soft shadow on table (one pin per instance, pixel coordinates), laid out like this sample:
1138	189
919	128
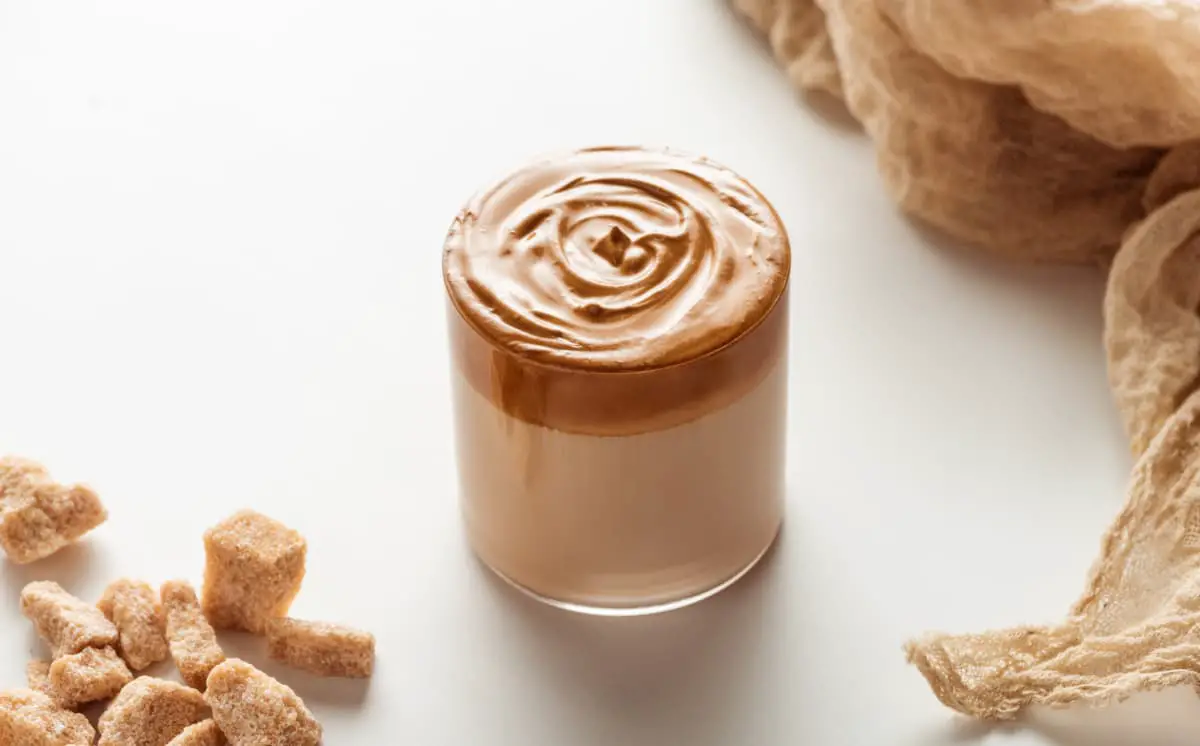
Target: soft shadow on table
1065	297
1038	282
68	567
655	670
328	693
1170	718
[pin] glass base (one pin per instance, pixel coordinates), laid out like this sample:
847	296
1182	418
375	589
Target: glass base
633	611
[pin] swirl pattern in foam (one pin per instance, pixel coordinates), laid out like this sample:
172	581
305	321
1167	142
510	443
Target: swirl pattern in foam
616	258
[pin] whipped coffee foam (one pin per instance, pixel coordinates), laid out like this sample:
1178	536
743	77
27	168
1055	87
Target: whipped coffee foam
616	259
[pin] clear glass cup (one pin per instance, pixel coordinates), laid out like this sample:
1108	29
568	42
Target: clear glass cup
612	480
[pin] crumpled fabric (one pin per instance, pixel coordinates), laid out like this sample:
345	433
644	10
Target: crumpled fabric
1059	131
953	151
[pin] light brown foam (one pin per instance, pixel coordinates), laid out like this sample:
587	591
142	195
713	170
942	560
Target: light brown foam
616	259
618	403
617	290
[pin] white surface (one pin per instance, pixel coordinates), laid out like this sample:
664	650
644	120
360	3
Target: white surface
220	233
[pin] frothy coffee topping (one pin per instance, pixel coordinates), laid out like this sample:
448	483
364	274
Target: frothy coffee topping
616	258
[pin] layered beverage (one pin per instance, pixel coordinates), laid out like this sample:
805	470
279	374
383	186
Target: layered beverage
618	325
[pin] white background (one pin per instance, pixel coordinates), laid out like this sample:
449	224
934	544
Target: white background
220	234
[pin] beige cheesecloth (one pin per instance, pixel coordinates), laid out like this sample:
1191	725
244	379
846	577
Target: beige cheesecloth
1054	130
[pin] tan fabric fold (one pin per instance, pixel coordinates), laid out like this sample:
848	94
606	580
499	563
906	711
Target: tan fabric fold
796	32
1152	331
1039	129
974	160
1121	71
1137	627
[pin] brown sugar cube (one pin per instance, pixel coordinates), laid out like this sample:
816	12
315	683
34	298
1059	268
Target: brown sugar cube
254	567
132	605
29	718
67	624
193	643
38	516
150	712
253	709
321	648
89	676
37	674
205	733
